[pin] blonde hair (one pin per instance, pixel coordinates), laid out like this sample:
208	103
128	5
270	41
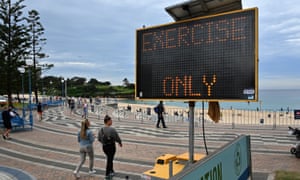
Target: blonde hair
84	127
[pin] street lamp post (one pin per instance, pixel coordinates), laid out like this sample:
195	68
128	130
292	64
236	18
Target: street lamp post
29	64
50	91
22	71
66	90
62	92
62	87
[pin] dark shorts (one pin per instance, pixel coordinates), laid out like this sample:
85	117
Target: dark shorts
7	124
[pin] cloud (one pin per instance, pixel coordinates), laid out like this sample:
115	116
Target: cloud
280	82
96	38
76	64
295	41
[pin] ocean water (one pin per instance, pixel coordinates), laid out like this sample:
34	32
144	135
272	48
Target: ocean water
271	100
268	100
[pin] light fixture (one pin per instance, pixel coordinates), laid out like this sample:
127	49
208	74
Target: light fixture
21	70
29	62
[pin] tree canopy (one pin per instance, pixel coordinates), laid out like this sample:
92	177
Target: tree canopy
14	44
80	86
20	39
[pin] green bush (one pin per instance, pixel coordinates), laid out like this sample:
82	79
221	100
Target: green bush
286	175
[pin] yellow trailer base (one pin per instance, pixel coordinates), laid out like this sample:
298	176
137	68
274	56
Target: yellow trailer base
162	165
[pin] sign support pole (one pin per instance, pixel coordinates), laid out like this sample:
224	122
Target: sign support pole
203	129
191	131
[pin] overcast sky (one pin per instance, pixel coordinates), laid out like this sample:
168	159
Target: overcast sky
96	38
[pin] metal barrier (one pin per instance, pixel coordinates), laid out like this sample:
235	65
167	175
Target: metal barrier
16	121
268	118
53	103
234	117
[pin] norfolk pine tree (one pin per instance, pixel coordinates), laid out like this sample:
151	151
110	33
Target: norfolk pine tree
37	41
13	44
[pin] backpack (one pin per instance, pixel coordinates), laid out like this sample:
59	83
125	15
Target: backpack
156	109
106	140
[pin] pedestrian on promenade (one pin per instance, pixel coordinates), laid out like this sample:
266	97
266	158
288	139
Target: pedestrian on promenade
72	106
7	114
108	136
85	138
85	110
160	110
40	111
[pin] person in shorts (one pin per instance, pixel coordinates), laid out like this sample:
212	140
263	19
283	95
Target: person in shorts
7	114
40	111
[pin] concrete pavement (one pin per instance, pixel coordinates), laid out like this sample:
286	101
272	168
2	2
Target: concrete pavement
50	150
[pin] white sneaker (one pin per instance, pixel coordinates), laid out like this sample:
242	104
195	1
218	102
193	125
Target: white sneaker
76	174
93	171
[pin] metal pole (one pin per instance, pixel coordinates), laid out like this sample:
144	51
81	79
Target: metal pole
66	91
23	110
62	93
191	131
62	88
203	129
30	108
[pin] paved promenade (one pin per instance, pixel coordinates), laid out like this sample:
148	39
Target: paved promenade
50	149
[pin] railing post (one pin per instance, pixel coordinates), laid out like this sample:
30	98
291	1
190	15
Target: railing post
274	122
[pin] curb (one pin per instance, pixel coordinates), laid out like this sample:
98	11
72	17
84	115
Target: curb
13	173
271	176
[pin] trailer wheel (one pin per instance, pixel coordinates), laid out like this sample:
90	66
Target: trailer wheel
293	150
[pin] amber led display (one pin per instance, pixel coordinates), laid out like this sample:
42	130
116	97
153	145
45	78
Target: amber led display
211	58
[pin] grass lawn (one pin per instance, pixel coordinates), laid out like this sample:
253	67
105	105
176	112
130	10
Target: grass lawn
15	104
286	175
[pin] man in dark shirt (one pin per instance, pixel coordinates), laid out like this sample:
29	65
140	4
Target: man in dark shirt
160	116
108	136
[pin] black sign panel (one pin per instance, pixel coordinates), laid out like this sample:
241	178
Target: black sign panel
297	114
212	58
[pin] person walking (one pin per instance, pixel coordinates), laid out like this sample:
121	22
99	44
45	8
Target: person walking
108	136
160	117
85	110
85	138
72	106
40	111
7	114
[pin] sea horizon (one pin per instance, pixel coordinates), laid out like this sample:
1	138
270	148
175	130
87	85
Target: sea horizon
268	99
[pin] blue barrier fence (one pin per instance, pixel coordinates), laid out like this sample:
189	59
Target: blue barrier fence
16	121
19	121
